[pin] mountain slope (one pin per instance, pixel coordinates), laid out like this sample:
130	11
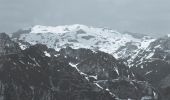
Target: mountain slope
31	75
109	73
155	62
146	57
7	46
39	73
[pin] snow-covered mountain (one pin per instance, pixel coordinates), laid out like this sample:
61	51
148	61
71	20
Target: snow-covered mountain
81	36
146	56
40	73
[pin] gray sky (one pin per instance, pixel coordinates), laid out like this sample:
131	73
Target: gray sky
143	16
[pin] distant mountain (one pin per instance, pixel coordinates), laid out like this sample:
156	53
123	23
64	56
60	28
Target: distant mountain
81	36
32	75
40	73
147	58
7	46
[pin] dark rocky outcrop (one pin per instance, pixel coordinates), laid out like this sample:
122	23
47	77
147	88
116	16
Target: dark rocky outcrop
109	73
154	65
31	75
7	46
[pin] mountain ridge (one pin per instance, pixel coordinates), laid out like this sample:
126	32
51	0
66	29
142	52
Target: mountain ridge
81	36
39	68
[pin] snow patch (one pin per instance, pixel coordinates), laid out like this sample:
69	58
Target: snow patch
168	35
56	55
98	85
47	54
150	55
95	77
148	72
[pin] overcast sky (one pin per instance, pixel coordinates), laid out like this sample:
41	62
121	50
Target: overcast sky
143	16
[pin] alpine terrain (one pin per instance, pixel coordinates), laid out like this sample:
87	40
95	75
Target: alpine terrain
78	62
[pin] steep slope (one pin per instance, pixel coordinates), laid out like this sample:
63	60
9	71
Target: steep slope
157	55
39	73
126	46
147	57
154	64
109	73
7	46
32	75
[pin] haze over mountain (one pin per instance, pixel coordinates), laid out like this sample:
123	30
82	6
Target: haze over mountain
138	16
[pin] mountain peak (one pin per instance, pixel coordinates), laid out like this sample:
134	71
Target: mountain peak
168	35
69	28
4	36
81	36
7	46
57	29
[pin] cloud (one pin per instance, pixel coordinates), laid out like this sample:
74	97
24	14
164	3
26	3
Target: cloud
146	16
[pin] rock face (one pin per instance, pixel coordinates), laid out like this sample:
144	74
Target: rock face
111	74
154	64
31	75
7	46
96	63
